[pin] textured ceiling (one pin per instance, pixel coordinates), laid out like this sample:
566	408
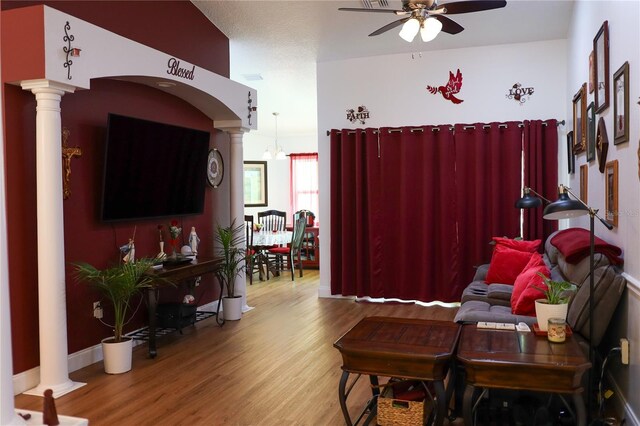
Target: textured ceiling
283	40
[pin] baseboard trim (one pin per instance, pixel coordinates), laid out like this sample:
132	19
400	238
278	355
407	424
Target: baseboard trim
29	379
621	404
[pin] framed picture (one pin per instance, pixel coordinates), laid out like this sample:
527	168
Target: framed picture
611	192
571	165
592	73
579	120
591	132
255	184
621	105
584	182
601	61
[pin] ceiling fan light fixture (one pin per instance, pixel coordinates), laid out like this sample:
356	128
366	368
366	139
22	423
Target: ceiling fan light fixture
410	30
430	29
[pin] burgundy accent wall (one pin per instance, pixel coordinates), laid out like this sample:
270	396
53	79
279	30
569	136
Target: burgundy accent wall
178	28
174	27
23	57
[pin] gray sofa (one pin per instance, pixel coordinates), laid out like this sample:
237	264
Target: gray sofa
492	302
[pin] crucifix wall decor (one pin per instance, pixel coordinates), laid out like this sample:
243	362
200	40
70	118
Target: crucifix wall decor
67	155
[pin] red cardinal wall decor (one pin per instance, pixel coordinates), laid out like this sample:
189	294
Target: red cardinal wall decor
453	86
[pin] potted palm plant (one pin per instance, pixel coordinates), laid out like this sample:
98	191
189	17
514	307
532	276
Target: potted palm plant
117	284
232	256
556	302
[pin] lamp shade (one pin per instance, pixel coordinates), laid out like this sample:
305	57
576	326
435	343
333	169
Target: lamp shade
266	155
430	29
528	201
409	30
564	208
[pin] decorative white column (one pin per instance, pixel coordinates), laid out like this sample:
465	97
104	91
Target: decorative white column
7	414
54	368
237	199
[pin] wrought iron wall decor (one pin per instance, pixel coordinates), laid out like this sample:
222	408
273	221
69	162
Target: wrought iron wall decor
250	108
453	86
360	115
68	50
519	94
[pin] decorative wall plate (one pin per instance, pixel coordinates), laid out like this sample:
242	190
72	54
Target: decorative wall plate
215	168
602	144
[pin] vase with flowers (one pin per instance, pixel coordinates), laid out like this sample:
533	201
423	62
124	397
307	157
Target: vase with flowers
174	231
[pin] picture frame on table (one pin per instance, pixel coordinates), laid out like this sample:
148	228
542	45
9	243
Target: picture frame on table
621	105
571	164
256	189
591	132
601	61
579	120
611	192
584	183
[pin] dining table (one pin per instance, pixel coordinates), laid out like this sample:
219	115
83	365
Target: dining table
264	240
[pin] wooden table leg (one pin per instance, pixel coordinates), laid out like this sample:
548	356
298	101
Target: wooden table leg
467	405
581	414
441	397
342	397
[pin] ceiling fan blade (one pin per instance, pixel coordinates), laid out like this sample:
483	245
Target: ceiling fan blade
390	26
467	6
356	9
449	26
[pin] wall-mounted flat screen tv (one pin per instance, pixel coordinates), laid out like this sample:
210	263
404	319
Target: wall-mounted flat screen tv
153	170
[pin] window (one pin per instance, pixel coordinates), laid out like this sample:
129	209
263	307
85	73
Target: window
304	182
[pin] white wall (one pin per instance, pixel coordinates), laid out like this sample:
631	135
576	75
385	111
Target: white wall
254	145
392	87
624	45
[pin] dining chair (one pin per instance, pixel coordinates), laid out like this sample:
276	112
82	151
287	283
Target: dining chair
293	251
273	220
251	258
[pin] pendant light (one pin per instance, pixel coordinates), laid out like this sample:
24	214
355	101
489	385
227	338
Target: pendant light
280	154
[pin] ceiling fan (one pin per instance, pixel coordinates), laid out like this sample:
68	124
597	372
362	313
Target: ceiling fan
428	17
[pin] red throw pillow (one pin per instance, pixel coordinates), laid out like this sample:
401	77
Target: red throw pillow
526	303
521	245
521	283
506	265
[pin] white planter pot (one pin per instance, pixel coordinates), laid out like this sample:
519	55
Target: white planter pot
232	308
117	356
544	311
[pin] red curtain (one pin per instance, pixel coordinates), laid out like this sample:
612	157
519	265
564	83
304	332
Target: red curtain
488	178
540	174
393	222
303	183
413	211
356	249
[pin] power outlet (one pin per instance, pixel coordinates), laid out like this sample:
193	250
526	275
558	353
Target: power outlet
624	351
97	310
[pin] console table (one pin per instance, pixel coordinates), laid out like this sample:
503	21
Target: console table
179	275
397	347
522	361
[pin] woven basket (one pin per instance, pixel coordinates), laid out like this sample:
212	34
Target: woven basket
398	412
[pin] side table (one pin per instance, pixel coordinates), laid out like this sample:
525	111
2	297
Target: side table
510	359
398	347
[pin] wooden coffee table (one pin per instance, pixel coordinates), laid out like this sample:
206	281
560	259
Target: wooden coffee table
523	361
398	347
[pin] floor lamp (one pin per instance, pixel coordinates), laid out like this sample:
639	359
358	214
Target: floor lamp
566	208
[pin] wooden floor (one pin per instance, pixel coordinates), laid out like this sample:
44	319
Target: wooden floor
276	366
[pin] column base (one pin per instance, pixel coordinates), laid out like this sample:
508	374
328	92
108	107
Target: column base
58	390
247	308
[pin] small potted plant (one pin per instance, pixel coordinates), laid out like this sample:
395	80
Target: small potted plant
233	255
556	302
117	284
